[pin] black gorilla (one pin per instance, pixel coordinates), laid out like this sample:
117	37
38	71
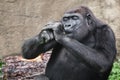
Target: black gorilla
83	47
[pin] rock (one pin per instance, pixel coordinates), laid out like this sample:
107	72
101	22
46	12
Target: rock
17	68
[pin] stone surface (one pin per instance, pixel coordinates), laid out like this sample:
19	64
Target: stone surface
18	68
22	19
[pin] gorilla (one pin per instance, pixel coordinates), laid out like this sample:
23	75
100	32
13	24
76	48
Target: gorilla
83	47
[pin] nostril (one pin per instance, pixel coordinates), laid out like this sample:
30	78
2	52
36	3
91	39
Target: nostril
68	25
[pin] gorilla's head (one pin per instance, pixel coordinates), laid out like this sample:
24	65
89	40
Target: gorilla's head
79	21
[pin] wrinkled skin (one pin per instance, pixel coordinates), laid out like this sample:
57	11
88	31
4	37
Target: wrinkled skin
83	47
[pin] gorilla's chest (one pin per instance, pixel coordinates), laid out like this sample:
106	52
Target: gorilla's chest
65	65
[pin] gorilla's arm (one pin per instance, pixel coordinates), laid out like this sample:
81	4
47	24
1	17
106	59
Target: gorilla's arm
38	44
99	59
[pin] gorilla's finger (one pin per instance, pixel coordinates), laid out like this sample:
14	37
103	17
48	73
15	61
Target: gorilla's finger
52	26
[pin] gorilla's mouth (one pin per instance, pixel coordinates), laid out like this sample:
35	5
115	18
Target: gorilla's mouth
69	29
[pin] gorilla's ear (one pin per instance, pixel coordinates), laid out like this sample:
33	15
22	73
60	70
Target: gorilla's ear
93	22
89	20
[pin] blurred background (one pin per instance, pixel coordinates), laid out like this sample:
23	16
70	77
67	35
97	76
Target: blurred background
22	19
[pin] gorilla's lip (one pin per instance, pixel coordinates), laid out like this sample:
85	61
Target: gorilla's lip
69	29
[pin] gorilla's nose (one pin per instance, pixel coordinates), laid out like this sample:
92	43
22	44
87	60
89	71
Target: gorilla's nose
68	25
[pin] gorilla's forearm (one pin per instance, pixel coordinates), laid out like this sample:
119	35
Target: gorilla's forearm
34	47
91	57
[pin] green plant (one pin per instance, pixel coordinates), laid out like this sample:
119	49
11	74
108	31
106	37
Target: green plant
1	64
115	73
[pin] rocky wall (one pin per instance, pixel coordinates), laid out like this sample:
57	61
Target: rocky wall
22	19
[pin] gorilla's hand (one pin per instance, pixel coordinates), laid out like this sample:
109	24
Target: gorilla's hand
36	45
56	28
45	36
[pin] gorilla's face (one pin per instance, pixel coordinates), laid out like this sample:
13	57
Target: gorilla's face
72	21
75	25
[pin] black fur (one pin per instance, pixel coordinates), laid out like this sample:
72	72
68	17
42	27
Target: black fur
85	53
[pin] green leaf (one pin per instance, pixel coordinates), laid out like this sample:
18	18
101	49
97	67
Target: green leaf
115	73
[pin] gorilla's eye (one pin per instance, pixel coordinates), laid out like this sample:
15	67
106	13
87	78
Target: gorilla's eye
65	18
75	17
